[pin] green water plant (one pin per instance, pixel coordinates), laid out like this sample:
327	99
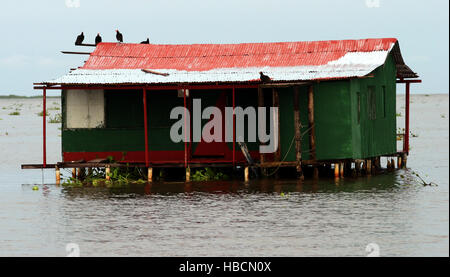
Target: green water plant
57	118
16	112
208	174
41	113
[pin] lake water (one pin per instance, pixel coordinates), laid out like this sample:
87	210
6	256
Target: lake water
264	218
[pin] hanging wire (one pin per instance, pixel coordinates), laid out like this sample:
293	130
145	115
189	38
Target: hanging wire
287	153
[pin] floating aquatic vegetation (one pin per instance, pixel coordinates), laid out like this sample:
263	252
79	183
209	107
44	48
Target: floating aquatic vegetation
208	174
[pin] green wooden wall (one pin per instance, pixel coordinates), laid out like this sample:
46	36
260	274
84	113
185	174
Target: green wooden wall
354	118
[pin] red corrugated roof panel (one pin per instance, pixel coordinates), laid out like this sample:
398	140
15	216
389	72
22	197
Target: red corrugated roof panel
201	57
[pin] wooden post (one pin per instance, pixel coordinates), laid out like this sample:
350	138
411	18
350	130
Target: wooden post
58	175
336	170
81	173
188	174
297	128
74	173
107	173
357	168
368	166
404	160
276	103
261	104
341	170
399	162
150	174
312	131
246	174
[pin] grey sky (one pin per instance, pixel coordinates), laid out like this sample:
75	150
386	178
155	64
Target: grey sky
33	32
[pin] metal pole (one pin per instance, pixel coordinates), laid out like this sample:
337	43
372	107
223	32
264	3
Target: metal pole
144	99
234	129
44	126
406	138
185	130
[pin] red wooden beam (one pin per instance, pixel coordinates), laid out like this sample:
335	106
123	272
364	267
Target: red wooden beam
44	126
144	99
185	131
234	129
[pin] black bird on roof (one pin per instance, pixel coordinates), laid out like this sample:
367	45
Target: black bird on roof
98	39
145	41
119	36
80	39
264	78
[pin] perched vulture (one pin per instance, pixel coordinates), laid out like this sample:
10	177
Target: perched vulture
80	39
98	39
264	78
145	41
119	36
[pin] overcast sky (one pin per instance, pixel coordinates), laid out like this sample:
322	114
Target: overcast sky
34	32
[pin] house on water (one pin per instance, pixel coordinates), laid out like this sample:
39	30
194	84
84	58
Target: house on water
336	103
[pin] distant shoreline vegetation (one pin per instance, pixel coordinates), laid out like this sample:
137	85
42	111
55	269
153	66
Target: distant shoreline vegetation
14	96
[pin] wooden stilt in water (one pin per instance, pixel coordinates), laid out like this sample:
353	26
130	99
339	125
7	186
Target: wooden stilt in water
150	174
246	174
399	162
404	160
188	174
341	170
74	173
81	173
107	173
58	175
392	164
368	166
336	170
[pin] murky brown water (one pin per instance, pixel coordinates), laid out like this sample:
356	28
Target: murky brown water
266	218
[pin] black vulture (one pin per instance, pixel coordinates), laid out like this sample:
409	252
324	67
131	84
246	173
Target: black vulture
145	41
80	39
119	36
264	78
98	39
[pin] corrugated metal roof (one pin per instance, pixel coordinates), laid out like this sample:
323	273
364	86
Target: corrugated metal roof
116	63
